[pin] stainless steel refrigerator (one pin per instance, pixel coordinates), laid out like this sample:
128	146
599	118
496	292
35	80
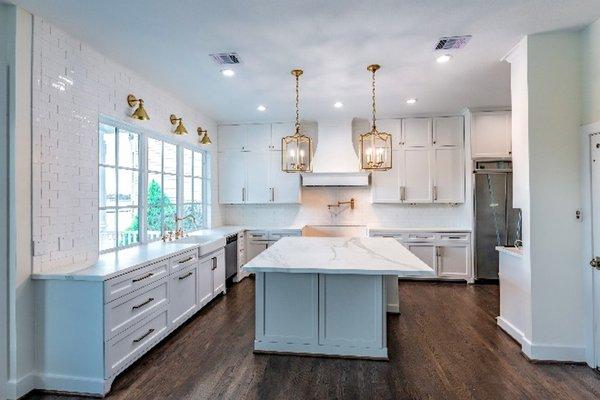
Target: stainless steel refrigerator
497	223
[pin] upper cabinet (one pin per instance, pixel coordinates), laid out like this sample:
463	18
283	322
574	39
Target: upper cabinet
232	137
448	131
491	134
416	132
278	132
393	127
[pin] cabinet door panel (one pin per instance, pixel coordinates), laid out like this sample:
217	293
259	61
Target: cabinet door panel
257	181
416	132
184	295
491	134
449	175
393	127
386	185
453	261
219	273
254	249
448	131
417	176
285	187
205	281
425	252
278	132
232	177
258	137
232	137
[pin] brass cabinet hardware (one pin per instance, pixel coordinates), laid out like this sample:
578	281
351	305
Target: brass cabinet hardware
435	193
186	276
595	263
186	260
150	274
143	336
150	300
402	193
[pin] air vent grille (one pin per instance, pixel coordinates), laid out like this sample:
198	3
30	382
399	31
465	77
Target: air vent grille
226	58
452	42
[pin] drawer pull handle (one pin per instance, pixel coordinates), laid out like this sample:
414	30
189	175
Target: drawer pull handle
454	237
214	261
143	336
143	277
186	276
150	300
186	260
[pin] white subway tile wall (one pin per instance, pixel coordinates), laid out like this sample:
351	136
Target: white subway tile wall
72	86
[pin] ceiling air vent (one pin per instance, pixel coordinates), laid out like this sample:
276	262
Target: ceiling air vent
226	58
452	42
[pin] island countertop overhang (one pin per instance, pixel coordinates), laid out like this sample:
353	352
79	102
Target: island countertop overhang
340	255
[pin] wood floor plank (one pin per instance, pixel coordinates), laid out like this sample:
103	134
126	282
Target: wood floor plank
444	345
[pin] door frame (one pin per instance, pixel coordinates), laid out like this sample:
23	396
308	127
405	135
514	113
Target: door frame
4	259
590	277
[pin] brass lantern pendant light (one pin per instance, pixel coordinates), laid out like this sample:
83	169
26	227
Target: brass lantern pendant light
375	146
296	149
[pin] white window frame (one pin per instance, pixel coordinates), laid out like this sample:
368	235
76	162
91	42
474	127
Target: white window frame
142	206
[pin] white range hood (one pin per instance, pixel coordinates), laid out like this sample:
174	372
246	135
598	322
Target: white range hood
335	162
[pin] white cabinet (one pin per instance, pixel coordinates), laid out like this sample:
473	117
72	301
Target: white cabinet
205	280
284	186
254	248
453	260
417	175
218	270
448	131
386	185
394	128
279	131
491	134
258	137
416	132
449	178
232	177
425	252
232	137
257	187
185	284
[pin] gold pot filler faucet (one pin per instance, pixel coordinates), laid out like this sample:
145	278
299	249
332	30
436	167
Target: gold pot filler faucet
340	203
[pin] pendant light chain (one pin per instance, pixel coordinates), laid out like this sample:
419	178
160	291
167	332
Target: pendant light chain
373	83
297	104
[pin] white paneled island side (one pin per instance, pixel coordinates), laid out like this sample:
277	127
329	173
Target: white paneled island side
329	295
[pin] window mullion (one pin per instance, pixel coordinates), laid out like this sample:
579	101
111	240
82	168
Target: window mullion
143	188
116	188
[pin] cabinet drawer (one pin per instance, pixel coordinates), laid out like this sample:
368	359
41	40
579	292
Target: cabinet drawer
124	349
258	235
454	237
126	311
278	235
124	284
183	260
420	237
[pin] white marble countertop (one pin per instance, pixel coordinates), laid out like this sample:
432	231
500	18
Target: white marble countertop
511	251
337	255
431	229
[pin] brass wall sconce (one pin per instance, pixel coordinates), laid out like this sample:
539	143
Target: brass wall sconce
179	129
140	112
203	135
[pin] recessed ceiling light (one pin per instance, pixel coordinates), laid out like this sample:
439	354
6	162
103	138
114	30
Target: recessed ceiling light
444	58
261	108
228	72
338	104
411	101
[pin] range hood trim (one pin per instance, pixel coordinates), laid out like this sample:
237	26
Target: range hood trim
340	179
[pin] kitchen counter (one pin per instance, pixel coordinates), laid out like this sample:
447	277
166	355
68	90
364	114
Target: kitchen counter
339	255
434	229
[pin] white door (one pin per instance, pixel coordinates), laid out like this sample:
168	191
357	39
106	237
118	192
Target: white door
449	177
453	261
184	295
232	177
416	132
218	270
386	185
425	252
393	127
232	137
257	178
205	281
448	131
594	275
278	132
417	175
491	134
258	137
285	187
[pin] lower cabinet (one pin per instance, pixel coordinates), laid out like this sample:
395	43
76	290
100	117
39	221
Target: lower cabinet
453	261
211	276
185	295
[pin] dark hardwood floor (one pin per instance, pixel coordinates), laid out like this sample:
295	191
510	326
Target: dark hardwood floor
444	345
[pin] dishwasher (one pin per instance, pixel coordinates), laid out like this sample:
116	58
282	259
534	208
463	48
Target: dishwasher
231	258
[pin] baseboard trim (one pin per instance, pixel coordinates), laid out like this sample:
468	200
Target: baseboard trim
20	387
71	384
537	352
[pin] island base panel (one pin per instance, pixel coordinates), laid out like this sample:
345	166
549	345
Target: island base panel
322	314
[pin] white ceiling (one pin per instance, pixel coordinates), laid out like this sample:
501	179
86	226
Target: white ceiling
168	42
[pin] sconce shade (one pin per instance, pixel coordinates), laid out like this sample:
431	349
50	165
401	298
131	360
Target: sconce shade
203	134
140	112
179	129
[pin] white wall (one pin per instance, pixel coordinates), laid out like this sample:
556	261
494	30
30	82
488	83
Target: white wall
313	209
547	103
590	73
72	85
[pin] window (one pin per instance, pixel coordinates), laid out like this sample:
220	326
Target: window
170	178
118	188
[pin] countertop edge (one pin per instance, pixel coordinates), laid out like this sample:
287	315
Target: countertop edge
505	250
340	271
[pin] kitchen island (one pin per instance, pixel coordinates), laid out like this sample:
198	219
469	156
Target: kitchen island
329	295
